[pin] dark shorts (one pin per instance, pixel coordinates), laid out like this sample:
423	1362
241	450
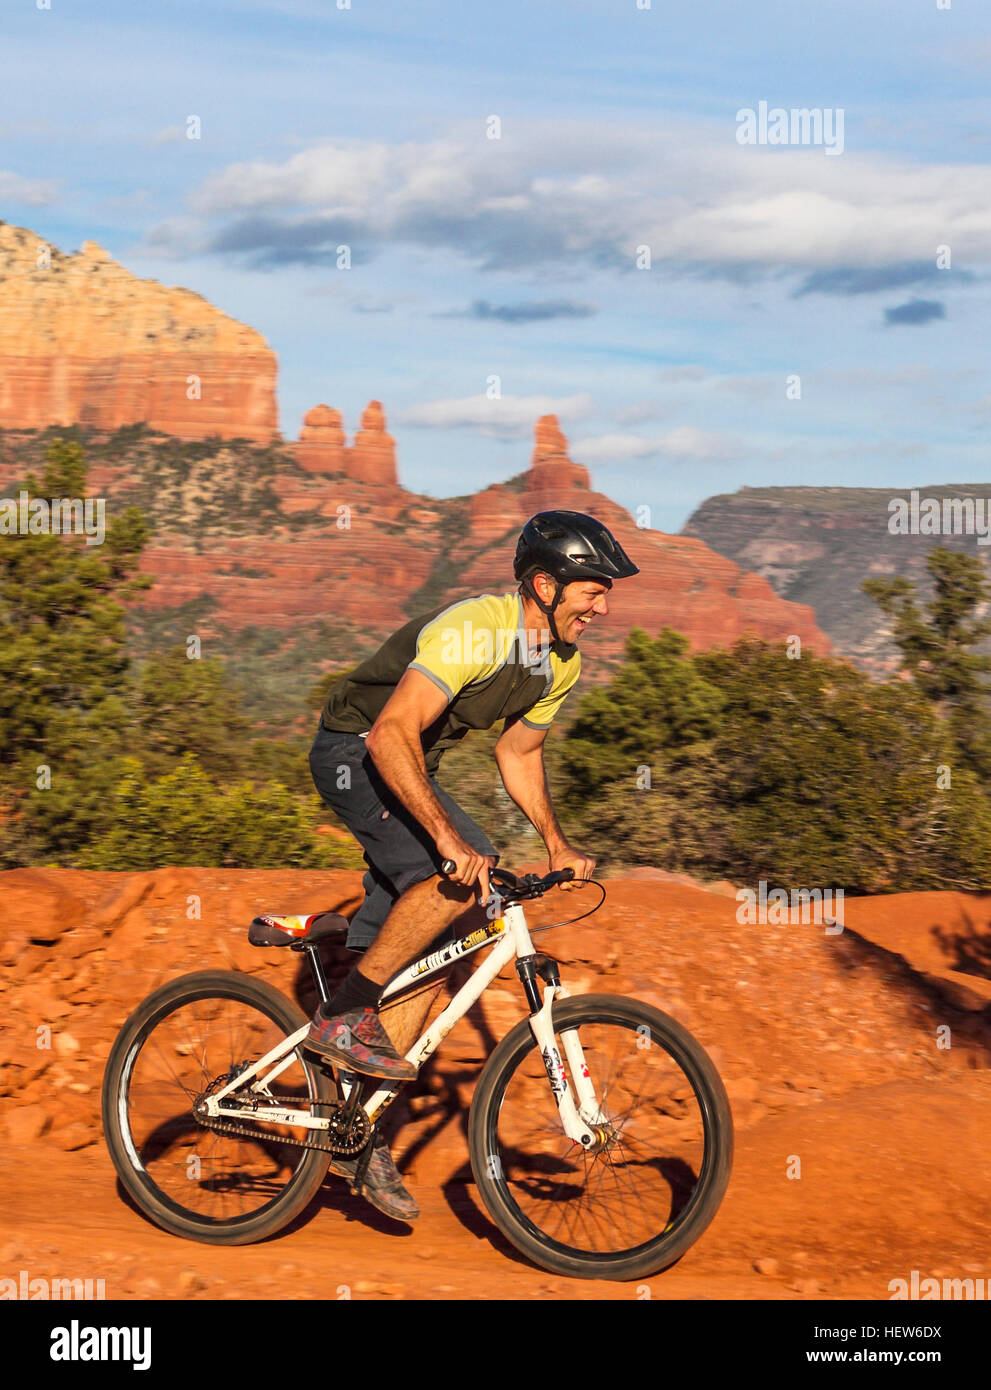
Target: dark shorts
398	851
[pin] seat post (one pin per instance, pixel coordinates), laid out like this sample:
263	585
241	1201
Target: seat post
312	950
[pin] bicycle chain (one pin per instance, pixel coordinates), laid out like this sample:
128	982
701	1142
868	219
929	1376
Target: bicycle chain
220	1125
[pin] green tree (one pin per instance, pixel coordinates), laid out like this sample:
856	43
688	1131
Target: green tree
183	818
657	701
284	760
469	772
802	772
62	626
827	777
936	643
673	821
316	696
189	706
63	667
109	769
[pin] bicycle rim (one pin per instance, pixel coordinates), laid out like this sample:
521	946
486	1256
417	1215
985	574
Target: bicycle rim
196	1174
642	1193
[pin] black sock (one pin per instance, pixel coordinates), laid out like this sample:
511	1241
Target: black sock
357	992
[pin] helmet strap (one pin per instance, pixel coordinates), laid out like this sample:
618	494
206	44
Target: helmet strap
546	609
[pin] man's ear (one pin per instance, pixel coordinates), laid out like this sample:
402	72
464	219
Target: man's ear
549	586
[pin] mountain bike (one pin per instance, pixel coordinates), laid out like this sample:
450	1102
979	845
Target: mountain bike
599	1132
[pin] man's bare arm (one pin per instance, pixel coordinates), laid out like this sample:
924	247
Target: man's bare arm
519	756
394	745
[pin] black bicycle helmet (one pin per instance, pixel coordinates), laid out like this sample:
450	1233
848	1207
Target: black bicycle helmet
568	546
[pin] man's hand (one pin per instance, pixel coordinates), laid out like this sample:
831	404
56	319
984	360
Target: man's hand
568	858
469	865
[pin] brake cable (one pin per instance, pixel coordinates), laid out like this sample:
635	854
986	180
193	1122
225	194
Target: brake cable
569	921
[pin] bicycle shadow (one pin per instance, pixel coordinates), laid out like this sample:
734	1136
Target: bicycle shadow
968	951
460	1191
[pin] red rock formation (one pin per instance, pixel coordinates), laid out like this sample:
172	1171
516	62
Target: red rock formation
548	441
373	455
551	471
366	547
551	481
494	512
680	585
321	447
702	594
83	341
321	441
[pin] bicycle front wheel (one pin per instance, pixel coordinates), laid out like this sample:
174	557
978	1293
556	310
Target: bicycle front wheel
223	1189
659	1172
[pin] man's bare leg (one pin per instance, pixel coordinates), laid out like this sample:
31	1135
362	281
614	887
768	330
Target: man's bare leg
404	1020
420	914
417	917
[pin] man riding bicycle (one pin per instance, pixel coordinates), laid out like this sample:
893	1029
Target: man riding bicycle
383	731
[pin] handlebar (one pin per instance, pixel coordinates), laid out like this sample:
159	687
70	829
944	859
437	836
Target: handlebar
516	889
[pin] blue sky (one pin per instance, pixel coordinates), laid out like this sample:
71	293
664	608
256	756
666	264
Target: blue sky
516	257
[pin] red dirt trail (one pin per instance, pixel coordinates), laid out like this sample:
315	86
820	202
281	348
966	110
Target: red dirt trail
829	1045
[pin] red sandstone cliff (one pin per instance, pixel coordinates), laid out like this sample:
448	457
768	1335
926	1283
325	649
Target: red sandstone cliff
550	468
373	456
83	341
320	448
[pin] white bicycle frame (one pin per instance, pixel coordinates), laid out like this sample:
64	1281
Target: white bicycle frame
508	936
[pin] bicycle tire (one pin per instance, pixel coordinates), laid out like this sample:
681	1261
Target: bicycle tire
156	1203
494	1178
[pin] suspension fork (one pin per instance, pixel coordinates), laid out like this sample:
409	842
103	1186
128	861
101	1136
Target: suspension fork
588	1101
577	1120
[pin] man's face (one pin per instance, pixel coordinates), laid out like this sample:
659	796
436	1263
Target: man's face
582	603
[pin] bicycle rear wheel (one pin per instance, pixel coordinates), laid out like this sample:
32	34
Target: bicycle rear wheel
636	1204
219	1188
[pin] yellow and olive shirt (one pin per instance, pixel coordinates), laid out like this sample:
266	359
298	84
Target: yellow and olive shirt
477	652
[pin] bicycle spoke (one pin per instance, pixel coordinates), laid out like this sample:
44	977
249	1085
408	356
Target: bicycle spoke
214	1175
630	1191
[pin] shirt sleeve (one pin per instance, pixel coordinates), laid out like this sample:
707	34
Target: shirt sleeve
541	715
443	657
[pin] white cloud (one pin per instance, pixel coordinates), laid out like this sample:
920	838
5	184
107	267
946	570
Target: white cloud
613	448
685	442
570	192
638	412
509	417
911	376
168	135
754	387
688	371
175	238
18	189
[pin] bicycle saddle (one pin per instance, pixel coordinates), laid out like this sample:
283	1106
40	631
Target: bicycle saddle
282	930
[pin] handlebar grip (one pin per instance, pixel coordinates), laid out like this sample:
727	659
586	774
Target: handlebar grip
448	867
